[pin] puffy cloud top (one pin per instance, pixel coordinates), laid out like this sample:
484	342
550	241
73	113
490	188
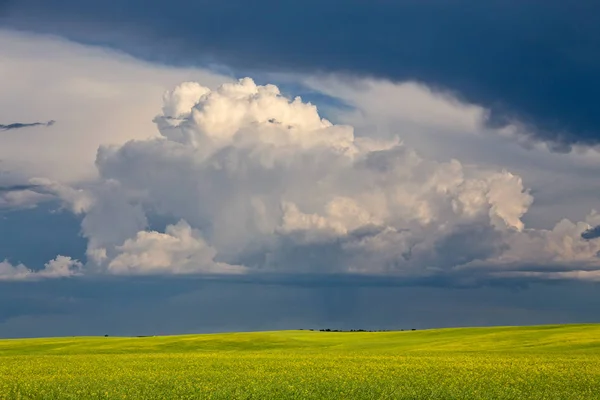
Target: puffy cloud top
243	114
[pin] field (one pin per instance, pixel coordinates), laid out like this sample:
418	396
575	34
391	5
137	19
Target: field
544	362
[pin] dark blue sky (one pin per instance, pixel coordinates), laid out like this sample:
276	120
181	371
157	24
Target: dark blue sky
536	61
33	236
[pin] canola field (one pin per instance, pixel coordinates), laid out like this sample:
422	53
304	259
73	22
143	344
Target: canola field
543	362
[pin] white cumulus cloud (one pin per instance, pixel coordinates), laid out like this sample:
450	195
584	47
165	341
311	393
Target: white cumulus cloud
179	250
60	267
242	179
261	182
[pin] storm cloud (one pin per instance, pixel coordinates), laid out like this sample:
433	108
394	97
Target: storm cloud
396	203
522	60
248	181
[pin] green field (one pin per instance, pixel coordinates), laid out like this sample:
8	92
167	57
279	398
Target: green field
543	362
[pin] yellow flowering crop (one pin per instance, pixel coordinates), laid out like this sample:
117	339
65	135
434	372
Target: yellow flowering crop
560	362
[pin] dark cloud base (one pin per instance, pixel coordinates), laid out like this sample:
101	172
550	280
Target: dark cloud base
527	60
148	306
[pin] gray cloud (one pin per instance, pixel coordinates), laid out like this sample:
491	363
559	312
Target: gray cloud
536	64
302	195
239	194
20	125
391	239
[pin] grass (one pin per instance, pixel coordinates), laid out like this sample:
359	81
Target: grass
542	362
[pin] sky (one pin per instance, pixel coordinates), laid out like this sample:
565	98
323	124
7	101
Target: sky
203	166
